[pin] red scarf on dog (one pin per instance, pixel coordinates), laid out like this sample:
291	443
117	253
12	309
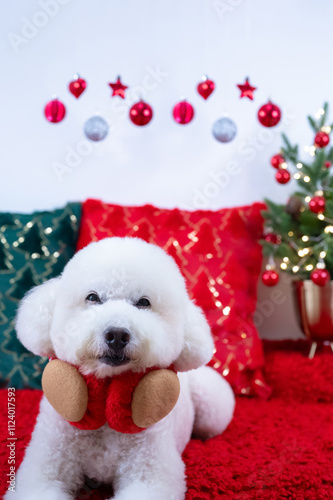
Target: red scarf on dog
110	400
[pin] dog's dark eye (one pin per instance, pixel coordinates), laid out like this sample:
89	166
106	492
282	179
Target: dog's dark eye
143	302
93	297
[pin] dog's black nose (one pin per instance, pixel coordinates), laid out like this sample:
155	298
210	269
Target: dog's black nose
117	338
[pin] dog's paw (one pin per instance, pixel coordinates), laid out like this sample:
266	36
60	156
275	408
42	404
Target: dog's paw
65	389
154	397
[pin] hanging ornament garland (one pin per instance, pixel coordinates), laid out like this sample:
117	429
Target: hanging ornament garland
55	111
118	89
269	114
77	86
224	130
183	112
206	87
96	128
246	89
141	113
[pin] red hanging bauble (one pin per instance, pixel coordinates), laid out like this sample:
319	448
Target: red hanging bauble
317	204
276	160
273	238
77	86
327	164
270	277
55	111
282	176
206	87
183	112
321	139
141	113
320	276
269	114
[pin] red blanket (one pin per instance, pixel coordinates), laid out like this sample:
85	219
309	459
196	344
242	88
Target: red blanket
276	449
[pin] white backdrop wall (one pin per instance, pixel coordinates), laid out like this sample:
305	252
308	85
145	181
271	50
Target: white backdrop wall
161	50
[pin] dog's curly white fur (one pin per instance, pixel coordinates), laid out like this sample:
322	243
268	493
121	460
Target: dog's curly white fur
55	319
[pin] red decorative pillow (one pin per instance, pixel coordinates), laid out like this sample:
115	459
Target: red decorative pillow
220	258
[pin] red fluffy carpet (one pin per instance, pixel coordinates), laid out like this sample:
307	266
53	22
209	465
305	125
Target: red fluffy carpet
276	449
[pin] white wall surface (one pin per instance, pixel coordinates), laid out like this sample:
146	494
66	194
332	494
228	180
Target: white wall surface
284	47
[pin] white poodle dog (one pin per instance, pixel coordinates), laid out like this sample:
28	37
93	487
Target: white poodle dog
130	285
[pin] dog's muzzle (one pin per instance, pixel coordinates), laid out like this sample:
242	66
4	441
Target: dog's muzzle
116	340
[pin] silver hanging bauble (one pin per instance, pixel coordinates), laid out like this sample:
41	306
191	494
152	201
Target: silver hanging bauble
224	130
96	128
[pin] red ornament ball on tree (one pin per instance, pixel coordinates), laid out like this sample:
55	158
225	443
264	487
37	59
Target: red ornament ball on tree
55	111
282	176
276	160
328	164
205	88
273	238
183	112
270	278
320	276
322	139
77	87
141	113
317	204
269	115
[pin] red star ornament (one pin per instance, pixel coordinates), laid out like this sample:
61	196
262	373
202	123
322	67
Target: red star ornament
118	88
246	89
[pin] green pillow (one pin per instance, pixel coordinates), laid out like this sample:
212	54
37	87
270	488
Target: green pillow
33	248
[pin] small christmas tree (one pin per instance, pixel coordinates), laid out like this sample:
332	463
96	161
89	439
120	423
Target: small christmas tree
299	233
32	241
25	280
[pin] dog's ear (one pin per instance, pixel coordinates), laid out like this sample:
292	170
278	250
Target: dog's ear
198	342
34	318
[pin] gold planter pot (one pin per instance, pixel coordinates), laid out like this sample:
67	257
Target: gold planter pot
314	308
